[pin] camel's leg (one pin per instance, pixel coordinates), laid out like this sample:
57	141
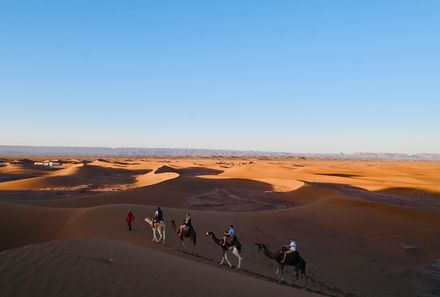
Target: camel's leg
295	274
194	251
183	244
160	235
223	259
237	254
227	260
154	234
281	271
277	273
163	231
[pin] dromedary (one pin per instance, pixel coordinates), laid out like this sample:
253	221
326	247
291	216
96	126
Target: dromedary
158	227
293	259
235	246
187	232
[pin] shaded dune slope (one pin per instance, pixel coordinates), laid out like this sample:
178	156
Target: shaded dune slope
361	236
76	175
132	271
198	193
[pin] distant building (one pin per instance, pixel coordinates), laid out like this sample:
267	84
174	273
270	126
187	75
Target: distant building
48	163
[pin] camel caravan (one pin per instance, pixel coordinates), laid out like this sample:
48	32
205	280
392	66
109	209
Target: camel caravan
287	255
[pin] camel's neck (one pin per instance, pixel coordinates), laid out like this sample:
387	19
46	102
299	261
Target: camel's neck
216	240
269	254
173	224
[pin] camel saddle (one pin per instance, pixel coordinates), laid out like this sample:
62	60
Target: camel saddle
229	240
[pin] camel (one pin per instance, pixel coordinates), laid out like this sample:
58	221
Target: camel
234	245
187	232
158	227
293	259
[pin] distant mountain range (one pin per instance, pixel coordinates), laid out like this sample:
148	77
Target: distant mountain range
66	151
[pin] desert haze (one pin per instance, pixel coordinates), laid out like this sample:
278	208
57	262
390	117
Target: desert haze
364	228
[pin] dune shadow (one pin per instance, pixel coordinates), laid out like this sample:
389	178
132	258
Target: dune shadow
184	191
87	180
114	162
5	177
213	194
339	175
189	171
94	185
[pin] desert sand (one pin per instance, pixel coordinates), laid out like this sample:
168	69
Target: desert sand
365	228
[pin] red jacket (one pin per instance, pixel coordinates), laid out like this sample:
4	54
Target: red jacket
130	217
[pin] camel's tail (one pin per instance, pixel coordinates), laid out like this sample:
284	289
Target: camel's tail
237	245
194	237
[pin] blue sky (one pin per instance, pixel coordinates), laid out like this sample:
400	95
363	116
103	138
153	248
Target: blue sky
295	76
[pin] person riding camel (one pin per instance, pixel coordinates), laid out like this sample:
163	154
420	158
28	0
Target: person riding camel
291	248
186	224
229	236
158	216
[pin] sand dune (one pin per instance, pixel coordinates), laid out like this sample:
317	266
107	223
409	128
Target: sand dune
356	242
19	171
24	183
114	268
153	178
372	176
377	247
22	224
189	192
76	176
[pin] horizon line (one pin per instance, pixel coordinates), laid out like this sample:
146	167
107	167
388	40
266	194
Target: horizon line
222	150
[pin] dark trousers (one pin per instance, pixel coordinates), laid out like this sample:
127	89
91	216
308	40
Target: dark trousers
129	226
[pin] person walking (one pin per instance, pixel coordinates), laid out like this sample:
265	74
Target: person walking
129	219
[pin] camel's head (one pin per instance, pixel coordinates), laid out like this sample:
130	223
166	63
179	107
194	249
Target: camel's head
149	220
259	246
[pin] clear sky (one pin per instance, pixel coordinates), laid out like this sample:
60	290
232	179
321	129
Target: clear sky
294	76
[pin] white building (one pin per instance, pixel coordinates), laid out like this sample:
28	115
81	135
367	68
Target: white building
48	163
